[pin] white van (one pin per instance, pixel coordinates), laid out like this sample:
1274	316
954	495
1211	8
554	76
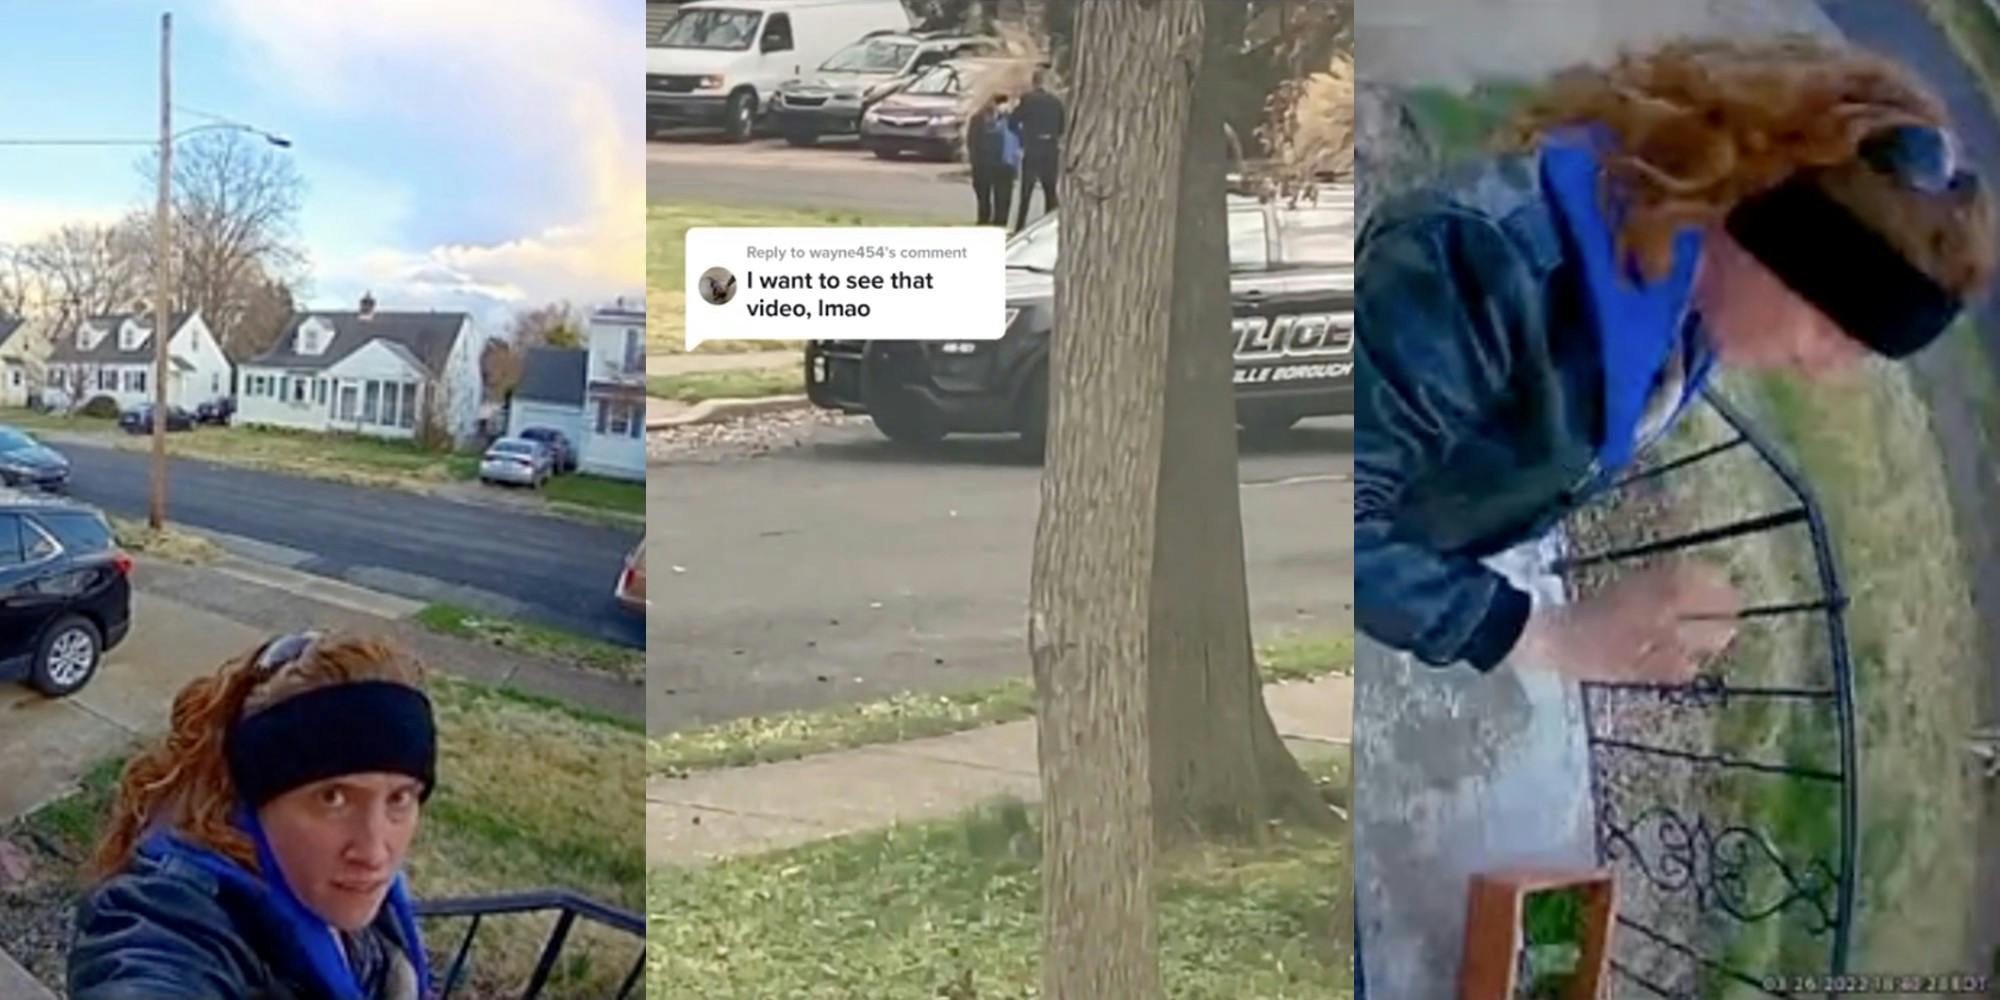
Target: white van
717	62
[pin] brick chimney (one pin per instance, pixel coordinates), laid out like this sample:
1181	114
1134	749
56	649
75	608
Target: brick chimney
367	305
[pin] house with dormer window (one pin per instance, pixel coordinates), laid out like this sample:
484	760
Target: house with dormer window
24	354
114	356
369	371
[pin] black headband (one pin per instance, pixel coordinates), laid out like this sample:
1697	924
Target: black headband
332	731
1841	265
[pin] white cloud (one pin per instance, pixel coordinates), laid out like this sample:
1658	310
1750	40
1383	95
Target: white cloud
26	219
558	80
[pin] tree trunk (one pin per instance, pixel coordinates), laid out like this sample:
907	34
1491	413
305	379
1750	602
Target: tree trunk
1219	769
1089	605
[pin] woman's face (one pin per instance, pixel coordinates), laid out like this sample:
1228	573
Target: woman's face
1756	322
340	842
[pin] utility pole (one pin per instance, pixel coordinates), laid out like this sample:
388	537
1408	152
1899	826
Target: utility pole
163	290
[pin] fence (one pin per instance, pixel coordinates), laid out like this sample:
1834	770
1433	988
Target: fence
567	906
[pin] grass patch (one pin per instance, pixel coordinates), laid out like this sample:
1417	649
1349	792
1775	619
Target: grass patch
789	735
534	640
744	383
527	798
598	493
952	909
169	543
1464	123
667	224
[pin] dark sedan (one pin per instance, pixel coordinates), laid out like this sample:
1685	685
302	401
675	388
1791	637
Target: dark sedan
26	463
139	419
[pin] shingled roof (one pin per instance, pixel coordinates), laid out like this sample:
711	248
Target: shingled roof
107	350
426	336
9	325
554	375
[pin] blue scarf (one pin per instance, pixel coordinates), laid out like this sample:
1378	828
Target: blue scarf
316	950
1638	322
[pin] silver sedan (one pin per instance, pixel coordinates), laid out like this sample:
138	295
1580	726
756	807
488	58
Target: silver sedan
518	461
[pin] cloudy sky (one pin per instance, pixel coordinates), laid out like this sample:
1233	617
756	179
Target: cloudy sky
458	154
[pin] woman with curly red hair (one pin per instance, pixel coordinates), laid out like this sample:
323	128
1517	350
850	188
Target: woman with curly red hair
257	850
1529	324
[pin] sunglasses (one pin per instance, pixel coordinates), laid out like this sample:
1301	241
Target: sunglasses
286	649
1921	158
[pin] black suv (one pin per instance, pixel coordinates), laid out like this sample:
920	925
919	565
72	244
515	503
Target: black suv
65	592
1292	328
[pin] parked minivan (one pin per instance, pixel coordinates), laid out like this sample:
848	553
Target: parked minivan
717	62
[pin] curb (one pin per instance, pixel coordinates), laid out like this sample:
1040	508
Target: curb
16	983
715	411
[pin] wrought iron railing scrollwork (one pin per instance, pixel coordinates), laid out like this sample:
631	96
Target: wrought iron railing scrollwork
1702	870
568	907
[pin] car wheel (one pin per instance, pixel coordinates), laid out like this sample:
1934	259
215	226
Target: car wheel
67	657
741	116
906	423
884	152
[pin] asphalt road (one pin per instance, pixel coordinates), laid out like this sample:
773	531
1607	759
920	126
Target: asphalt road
838	174
547	569
849	569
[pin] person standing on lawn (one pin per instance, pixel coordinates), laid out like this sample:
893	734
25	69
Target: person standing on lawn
995	152
257	850
1040	120
1528	326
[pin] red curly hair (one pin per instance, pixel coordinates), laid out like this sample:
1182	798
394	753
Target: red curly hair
1701	125
183	782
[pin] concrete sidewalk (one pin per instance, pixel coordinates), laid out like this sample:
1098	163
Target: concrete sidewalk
747	810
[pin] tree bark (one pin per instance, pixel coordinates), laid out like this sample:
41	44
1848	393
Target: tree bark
1218	768
1090	613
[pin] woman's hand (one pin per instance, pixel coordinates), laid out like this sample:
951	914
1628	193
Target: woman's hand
1657	626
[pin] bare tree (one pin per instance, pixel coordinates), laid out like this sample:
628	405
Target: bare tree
16	282
1219	769
1090	610
84	269
500	368
268	306
552	325
235	206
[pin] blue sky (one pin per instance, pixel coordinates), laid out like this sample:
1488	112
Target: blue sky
457	153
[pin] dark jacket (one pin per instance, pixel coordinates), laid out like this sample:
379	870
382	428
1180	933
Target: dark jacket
1503	364
985	141
1040	119
184	922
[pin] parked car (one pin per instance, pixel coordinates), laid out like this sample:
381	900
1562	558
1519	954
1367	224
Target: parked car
26	463
518	461
928	116
561	452
216	411
65	592
832	99
718	62
1291	286
139	419
631	587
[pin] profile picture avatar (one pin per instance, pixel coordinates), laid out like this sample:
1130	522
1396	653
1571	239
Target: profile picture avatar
718	286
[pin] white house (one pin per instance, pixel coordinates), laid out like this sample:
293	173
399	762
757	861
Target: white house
367	372
24	352
113	356
614	440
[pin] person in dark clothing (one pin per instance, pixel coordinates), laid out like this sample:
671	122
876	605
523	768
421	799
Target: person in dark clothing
1040	120
994	151
1528	327
257	851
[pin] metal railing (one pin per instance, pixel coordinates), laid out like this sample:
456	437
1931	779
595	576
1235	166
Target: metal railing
568	907
1695	872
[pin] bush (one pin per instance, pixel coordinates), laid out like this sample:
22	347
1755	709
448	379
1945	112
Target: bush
101	407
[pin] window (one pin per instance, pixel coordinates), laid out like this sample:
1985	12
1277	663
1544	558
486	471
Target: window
711	29
79	531
298	390
319	391
349	402
215	384
1247	250
409	404
107	380
617	418
871	55
391	402
135	380
635	351
14	377
372	403
1313	235
778	33
10	540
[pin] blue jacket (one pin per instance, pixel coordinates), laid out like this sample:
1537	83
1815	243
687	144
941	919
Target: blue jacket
183	921
1504	362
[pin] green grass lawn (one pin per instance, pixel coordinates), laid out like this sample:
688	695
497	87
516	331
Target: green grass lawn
667	224
742	383
597	493
788	735
533	639
529	797
951	909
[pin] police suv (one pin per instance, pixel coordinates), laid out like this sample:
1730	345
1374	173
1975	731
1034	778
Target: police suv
1292	303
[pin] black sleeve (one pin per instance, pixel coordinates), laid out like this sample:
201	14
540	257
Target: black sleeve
152	938
1439	306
